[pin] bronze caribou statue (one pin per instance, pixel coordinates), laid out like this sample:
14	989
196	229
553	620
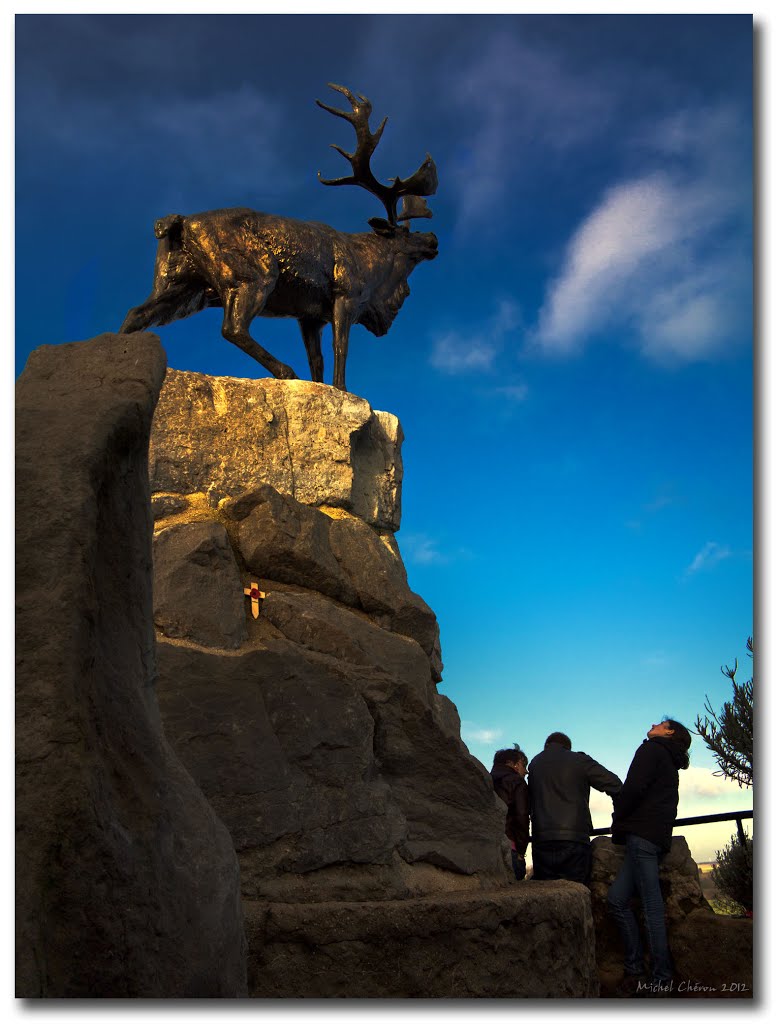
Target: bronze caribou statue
258	264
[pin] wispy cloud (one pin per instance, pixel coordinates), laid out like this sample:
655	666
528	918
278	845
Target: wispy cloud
663	258
663	500
516	96
707	557
477	734
698	783
656	659
513	392
421	549
457	352
181	135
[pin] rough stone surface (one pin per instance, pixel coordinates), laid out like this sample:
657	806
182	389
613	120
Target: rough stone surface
127	883
223	435
281	539
284	540
321	752
320	740
164	505
198	592
534	940
710	951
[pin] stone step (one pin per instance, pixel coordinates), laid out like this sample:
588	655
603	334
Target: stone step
528	940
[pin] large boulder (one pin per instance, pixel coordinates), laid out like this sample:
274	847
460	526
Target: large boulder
321	748
127	883
223	435
197	586
279	538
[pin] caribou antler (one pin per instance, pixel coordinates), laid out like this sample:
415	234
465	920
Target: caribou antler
423	182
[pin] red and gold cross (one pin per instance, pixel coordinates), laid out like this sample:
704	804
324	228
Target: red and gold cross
256	596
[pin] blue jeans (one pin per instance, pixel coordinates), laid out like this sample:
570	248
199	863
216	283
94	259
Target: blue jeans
640	873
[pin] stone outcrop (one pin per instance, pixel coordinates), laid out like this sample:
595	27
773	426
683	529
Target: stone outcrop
371	846
127	883
316	731
223	435
713	954
197	588
370	843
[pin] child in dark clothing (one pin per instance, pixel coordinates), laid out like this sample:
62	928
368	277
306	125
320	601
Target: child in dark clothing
508	772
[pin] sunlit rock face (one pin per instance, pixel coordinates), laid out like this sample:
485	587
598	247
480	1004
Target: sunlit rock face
315	730
126	881
222	436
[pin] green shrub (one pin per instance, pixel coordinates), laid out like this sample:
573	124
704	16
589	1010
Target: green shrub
734	876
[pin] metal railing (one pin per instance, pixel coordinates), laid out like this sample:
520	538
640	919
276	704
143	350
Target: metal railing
703	819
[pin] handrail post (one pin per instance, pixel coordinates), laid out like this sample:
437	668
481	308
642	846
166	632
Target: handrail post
740	832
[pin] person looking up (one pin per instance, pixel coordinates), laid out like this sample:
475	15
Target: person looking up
643	817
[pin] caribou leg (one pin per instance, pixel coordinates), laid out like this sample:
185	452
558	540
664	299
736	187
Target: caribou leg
341	325
241	305
311	332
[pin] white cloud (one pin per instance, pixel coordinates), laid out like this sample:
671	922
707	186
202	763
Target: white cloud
655	660
421	549
664	258
697	783
707	557
180	135
477	734
455	352
601	808
516	96
513	392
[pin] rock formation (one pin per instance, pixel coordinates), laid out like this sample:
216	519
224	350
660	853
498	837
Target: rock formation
315	731
713	954
223	435
127	883
370	844
373	861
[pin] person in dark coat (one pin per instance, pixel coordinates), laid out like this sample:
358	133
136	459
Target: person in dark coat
508	771
559	782
643	817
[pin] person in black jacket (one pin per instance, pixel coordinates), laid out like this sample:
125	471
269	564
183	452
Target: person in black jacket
559	782
643	817
508	771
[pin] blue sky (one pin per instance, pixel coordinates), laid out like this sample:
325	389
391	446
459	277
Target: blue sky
573	373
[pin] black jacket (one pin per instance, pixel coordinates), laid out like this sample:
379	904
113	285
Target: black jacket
648	802
559	781
512	790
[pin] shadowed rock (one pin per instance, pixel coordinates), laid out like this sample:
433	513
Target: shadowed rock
127	883
197	588
281	539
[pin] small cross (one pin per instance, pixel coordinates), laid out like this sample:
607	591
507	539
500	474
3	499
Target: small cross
255	594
